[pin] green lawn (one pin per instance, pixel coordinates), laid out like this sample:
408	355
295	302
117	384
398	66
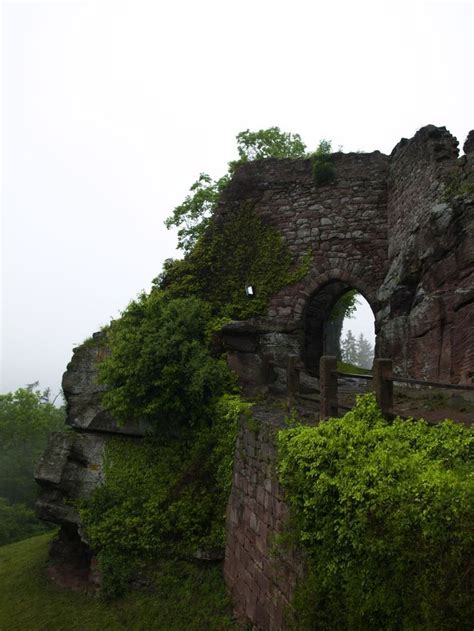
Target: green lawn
187	598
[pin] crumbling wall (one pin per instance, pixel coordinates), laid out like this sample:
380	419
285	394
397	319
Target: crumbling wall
426	317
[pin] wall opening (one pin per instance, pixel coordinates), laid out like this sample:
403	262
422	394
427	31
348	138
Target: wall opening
338	321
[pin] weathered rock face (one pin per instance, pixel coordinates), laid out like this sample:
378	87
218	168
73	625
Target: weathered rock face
72	464
427	317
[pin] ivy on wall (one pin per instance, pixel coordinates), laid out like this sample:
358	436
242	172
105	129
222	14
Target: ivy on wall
237	250
384	515
162	497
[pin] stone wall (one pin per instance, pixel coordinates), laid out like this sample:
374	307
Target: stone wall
260	578
390	227
393	227
426	317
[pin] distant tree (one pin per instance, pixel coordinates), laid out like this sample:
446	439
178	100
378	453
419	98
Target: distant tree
349	349
344	308
365	352
191	217
26	418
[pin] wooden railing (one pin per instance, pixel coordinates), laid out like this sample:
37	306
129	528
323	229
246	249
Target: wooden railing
382	380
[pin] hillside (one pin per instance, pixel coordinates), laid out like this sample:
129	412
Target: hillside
187	597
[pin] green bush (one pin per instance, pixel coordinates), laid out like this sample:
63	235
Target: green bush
17	522
384	514
162	497
160	367
233	253
323	164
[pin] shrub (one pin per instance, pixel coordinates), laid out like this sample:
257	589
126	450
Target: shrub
162	497
160	367
384	514
323	164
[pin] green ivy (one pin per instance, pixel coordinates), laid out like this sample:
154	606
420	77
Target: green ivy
237	250
384	515
162	497
161	368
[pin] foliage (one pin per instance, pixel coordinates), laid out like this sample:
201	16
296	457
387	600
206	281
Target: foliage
26	418
269	143
17	521
357	352
344	308
384	514
192	216
351	369
322	162
457	185
240	251
185	596
163	497
160	367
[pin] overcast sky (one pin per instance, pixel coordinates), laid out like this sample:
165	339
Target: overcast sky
110	110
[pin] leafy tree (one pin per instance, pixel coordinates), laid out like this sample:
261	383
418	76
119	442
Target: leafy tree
268	143
323	164
349	349
17	522
344	308
26	418
192	216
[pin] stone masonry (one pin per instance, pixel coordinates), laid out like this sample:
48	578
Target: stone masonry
399	229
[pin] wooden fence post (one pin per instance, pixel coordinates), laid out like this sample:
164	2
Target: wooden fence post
328	387
383	384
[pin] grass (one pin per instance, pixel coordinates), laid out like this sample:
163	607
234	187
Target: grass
187	597
351	369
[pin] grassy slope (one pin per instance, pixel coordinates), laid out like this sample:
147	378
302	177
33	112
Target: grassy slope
187	598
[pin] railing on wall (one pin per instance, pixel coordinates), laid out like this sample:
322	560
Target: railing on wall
382	379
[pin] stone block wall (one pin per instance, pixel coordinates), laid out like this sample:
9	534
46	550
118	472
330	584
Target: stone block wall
260	578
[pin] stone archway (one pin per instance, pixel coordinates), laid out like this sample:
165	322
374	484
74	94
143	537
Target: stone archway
319	306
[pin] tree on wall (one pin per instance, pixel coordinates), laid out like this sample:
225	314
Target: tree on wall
191	217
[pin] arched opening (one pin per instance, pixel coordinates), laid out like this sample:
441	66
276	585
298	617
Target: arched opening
338	321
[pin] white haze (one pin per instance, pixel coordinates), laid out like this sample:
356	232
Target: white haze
110	110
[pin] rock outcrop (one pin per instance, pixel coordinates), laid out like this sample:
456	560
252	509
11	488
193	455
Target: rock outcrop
72	464
400	230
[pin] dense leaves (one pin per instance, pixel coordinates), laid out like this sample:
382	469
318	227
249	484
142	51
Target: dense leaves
26	418
269	143
161	368
163	497
384	513
323	164
240	251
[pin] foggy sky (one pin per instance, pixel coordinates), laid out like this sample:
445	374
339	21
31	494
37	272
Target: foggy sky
111	110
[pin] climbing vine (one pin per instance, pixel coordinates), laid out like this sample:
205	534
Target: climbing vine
237	250
384	515
162	497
